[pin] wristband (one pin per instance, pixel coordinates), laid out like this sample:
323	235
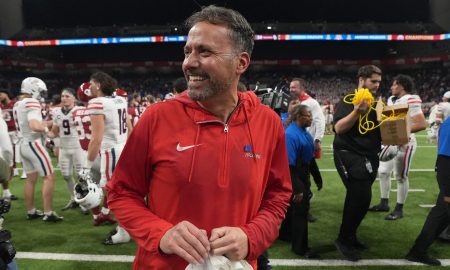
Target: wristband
88	164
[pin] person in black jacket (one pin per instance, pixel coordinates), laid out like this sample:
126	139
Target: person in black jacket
356	160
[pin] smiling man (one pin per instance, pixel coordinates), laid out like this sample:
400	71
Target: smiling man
211	162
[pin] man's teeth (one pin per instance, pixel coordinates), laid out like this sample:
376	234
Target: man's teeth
196	78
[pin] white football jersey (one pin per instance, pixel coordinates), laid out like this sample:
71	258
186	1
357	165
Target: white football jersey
414	103
444	108
24	111
67	130
115	111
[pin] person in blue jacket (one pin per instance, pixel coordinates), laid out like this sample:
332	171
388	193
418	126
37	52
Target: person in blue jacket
439	216
300	149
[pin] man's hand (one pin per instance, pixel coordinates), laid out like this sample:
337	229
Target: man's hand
297	198
186	241
293	104
229	241
447	199
317	145
361	108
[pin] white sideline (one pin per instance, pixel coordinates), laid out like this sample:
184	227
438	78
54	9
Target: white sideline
274	262
411	170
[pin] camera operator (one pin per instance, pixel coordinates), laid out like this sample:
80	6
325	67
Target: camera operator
7	251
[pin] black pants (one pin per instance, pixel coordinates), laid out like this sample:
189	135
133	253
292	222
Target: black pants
358	180
294	228
263	261
315	172
439	216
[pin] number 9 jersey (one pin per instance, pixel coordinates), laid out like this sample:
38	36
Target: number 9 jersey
67	131
115	112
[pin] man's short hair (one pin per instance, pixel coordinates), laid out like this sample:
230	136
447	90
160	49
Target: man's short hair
180	85
108	83
300	81
240	30
405	81
368	70
70	90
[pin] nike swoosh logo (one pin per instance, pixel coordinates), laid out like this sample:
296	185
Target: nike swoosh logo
182	148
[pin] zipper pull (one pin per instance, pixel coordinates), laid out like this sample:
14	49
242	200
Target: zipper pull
225	129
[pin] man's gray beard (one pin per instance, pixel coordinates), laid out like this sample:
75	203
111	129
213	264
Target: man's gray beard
213	90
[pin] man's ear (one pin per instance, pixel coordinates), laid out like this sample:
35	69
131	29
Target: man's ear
244	62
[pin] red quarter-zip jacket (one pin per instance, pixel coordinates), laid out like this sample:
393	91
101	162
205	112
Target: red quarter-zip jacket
193	167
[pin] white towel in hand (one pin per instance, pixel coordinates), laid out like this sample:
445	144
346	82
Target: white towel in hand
221	263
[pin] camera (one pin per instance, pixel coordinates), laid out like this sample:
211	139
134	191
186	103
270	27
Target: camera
7	251
277	99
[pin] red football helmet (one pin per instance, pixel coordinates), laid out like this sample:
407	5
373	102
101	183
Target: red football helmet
121	93
84	92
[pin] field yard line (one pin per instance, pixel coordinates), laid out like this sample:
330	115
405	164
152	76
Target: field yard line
410	190
374	262
411	170
73	257
427	205
274	262
419	146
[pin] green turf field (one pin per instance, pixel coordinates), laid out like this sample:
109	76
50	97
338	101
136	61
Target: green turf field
387	239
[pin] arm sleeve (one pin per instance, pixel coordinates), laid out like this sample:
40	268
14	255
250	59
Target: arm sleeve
415	105
342	110
96	106
318	121
129	185
291	148
5	143
263	228
33	110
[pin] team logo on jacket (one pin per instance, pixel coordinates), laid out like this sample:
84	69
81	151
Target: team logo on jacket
248	152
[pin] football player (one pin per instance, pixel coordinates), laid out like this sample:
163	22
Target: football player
82	122
27	113
7	104
401	89
70	153
109	127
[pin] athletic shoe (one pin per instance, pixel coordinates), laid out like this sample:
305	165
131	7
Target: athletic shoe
359	245
379	208
13	197
53	217
422	258
16	172
349	252
121	236
311	218
104	219
70	205
35	215
394	215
